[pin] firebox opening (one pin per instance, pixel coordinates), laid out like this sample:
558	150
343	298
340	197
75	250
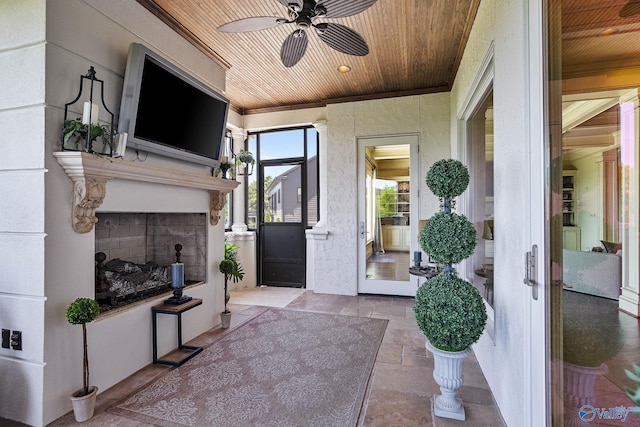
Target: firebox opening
139	249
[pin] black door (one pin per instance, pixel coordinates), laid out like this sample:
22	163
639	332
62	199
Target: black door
282	221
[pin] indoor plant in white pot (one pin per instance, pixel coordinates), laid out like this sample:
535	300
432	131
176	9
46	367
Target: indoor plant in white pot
449	310
81	312
232	270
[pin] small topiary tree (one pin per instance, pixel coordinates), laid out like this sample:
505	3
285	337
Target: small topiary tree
231	268
449	310
81	312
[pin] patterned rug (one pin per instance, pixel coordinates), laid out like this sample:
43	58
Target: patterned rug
281	368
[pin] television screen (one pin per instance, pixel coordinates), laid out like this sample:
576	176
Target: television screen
166	111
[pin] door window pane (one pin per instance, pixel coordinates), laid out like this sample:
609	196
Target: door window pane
282	144
281	185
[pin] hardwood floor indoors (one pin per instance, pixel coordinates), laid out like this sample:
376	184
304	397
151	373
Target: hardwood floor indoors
391	265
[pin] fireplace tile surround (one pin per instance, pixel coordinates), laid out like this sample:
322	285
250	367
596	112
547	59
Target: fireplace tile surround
144	237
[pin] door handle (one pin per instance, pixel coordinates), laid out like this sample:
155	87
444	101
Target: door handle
530	271
362	229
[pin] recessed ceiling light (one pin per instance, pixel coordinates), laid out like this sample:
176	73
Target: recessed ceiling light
344	68
608	32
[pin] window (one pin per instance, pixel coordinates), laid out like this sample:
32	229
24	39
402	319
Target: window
277	153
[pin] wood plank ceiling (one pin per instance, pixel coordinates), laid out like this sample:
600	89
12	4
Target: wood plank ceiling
415	47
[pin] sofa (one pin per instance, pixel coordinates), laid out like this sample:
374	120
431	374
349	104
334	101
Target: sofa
593	273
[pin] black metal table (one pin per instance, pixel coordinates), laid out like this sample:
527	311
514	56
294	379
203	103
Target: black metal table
175	310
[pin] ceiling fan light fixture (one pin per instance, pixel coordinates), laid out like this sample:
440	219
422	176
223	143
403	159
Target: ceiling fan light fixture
304	13
344	69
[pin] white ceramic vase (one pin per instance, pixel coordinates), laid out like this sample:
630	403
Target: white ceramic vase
83	406
447	372
225	320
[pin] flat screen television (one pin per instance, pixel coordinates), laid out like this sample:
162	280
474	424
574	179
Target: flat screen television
168	112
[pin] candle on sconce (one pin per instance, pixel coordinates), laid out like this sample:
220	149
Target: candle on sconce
177	275
90	113
417	256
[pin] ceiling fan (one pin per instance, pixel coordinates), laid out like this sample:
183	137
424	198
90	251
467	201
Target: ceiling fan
630	9
304	14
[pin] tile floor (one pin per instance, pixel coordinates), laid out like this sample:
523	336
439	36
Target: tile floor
401	385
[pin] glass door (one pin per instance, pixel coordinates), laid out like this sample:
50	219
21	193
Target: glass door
593	124
388	206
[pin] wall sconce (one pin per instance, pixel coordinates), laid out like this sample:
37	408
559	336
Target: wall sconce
85	130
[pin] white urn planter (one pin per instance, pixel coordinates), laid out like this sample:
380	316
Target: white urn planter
447	372
83	406
579	385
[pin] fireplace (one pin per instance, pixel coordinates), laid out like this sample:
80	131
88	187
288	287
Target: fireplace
139	249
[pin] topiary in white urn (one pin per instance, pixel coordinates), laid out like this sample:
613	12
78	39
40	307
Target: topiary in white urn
449	310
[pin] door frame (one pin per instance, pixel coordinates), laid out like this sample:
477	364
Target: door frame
381	287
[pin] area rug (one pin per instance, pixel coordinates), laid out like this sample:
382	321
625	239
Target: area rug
281	368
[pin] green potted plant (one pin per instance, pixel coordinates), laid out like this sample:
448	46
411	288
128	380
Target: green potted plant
74	131
232	270
449	310
244	160
634	394
81	312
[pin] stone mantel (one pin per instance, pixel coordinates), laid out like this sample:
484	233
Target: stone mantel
90	173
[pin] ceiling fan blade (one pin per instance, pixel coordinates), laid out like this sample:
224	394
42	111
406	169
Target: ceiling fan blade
343	39
251	24
342	8
630	9
294	47
286	3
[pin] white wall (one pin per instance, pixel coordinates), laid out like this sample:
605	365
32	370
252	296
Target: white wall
22	195
45	46
333	261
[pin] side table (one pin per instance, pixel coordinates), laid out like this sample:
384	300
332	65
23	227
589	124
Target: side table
175	310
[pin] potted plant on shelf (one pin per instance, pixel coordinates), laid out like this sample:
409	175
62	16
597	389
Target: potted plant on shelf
449	310
75	131
81	312
232	270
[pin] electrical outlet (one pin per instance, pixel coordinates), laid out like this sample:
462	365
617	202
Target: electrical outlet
16	340
5	338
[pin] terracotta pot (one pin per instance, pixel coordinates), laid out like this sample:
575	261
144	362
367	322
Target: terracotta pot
83	406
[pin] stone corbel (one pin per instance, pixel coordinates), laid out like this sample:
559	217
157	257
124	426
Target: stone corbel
88	195
217	199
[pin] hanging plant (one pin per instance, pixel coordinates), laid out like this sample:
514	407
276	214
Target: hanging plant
245	158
